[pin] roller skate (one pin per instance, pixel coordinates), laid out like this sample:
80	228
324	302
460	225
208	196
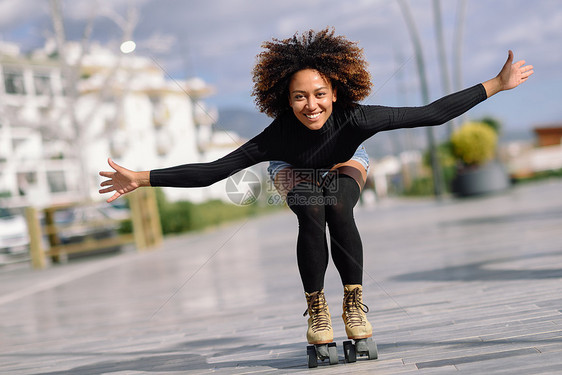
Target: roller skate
319	335
357	327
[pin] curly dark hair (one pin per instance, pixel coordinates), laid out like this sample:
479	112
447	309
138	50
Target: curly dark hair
336	58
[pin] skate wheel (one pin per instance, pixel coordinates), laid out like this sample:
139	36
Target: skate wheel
366	347
372	349
349	352
312	356
333	353
322	351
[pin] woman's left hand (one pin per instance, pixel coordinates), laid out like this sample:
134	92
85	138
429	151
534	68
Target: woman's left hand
514	74
510	76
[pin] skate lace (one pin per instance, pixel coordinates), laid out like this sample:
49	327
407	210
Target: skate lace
318	311
355	309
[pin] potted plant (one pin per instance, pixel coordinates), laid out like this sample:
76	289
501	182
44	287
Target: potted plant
478	172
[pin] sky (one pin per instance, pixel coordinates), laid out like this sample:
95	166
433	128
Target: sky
218	40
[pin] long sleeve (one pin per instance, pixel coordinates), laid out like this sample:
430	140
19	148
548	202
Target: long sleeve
204	174
372	119
287	139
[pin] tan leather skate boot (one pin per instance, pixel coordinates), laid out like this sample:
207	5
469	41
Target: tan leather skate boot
319	321
354	313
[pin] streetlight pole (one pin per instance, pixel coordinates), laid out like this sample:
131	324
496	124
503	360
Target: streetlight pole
442	56
457	48
414	36
70	85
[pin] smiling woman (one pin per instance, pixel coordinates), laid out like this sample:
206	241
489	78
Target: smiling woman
339	61
311	85
311	97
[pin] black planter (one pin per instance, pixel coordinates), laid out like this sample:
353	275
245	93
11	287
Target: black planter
484	179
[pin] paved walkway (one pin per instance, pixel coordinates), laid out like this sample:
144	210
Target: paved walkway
463	286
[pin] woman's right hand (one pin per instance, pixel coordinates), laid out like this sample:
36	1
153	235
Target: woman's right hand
122	180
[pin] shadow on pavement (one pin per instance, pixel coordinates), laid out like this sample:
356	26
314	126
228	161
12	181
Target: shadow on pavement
529	216
482	271
182	362
158	361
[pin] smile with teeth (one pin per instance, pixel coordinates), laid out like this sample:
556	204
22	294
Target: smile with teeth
313	116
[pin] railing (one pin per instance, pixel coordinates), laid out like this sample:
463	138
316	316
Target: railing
147	232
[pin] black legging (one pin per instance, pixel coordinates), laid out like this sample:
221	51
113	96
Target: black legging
333	204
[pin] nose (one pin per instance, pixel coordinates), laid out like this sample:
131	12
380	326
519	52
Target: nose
311	103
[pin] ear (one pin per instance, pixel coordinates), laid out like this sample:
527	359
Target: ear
334	94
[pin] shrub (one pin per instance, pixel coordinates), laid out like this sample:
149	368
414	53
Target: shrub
474	143
184	216
492	123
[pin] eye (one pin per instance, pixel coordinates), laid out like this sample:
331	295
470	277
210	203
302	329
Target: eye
298	97
321	94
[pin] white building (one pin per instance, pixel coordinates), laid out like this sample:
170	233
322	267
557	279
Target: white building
31	167
55	138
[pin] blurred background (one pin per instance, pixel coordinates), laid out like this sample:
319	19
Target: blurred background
159	83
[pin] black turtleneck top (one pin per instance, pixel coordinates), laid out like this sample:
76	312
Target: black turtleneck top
287	139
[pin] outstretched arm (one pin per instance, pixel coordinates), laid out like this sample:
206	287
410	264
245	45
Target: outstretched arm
123	180
373	119
511	76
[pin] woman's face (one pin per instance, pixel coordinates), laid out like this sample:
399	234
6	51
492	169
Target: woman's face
311	97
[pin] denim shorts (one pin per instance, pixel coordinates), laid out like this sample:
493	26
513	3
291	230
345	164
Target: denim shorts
360	156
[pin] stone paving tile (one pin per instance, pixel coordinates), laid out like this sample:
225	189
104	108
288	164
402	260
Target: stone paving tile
524	364
455	361
459	286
